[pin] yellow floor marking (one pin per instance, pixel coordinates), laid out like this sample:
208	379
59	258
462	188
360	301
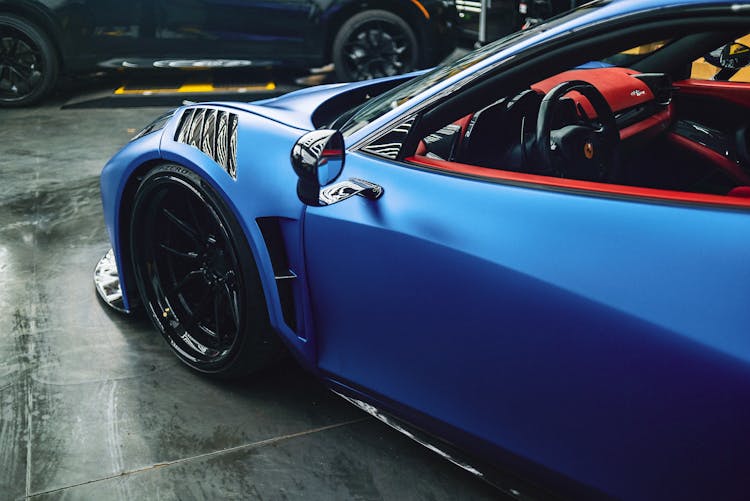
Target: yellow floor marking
196	87
193	88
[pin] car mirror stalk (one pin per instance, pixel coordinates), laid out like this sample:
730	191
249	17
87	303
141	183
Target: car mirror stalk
347	189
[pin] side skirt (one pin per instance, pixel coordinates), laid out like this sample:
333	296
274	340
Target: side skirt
509	485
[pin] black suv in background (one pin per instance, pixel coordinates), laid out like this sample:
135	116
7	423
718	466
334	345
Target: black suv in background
363	38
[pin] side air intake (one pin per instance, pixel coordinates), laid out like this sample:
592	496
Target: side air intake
212	131
273	234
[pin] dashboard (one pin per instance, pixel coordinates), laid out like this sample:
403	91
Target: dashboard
641	102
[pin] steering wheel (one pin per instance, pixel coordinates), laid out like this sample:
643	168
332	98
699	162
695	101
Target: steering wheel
581	150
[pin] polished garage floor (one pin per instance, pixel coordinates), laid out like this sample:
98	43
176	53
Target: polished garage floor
94	406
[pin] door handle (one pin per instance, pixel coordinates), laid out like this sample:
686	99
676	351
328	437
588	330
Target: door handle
346	189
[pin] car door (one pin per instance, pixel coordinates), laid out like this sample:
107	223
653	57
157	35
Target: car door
560	324
267	31
104	29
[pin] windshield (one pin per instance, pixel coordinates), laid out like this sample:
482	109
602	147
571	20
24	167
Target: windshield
353	120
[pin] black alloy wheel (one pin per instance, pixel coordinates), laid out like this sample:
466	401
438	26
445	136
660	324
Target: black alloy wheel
28	62
373	44
197	277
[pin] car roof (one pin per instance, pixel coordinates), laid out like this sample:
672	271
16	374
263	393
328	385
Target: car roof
606	10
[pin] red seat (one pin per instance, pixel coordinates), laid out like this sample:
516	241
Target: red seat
740	191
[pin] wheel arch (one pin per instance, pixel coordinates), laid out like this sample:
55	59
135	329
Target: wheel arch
405	9
41	18
252	235
124	219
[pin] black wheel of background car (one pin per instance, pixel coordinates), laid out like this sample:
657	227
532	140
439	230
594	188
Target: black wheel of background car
197	277
585	149
28	62
372	44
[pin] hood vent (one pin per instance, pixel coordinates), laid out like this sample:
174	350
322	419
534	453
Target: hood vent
212	131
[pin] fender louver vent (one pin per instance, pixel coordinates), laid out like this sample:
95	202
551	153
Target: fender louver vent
212	131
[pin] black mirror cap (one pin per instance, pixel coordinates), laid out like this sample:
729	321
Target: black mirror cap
317	159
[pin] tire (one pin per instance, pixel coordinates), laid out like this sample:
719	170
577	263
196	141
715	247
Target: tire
372	44
28	62
197	277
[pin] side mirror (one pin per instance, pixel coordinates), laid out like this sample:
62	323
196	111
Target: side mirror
317	159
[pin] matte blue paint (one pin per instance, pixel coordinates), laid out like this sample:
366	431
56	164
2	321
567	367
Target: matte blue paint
606	340
584	328
114	177
295	109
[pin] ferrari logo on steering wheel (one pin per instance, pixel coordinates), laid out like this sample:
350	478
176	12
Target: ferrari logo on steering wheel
588	150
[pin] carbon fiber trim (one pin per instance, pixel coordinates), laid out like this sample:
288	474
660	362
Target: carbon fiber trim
212	131
107	282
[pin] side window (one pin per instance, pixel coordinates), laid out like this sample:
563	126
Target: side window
632	55
728	63
389	144
600	126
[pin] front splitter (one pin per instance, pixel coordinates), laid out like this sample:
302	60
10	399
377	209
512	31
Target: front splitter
107	282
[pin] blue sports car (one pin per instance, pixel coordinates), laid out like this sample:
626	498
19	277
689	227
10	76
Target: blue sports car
536	259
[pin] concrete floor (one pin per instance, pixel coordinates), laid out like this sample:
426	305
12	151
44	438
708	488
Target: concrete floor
94	406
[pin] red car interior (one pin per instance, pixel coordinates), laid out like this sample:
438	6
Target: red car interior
668	148
734	92
740	197
617	85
